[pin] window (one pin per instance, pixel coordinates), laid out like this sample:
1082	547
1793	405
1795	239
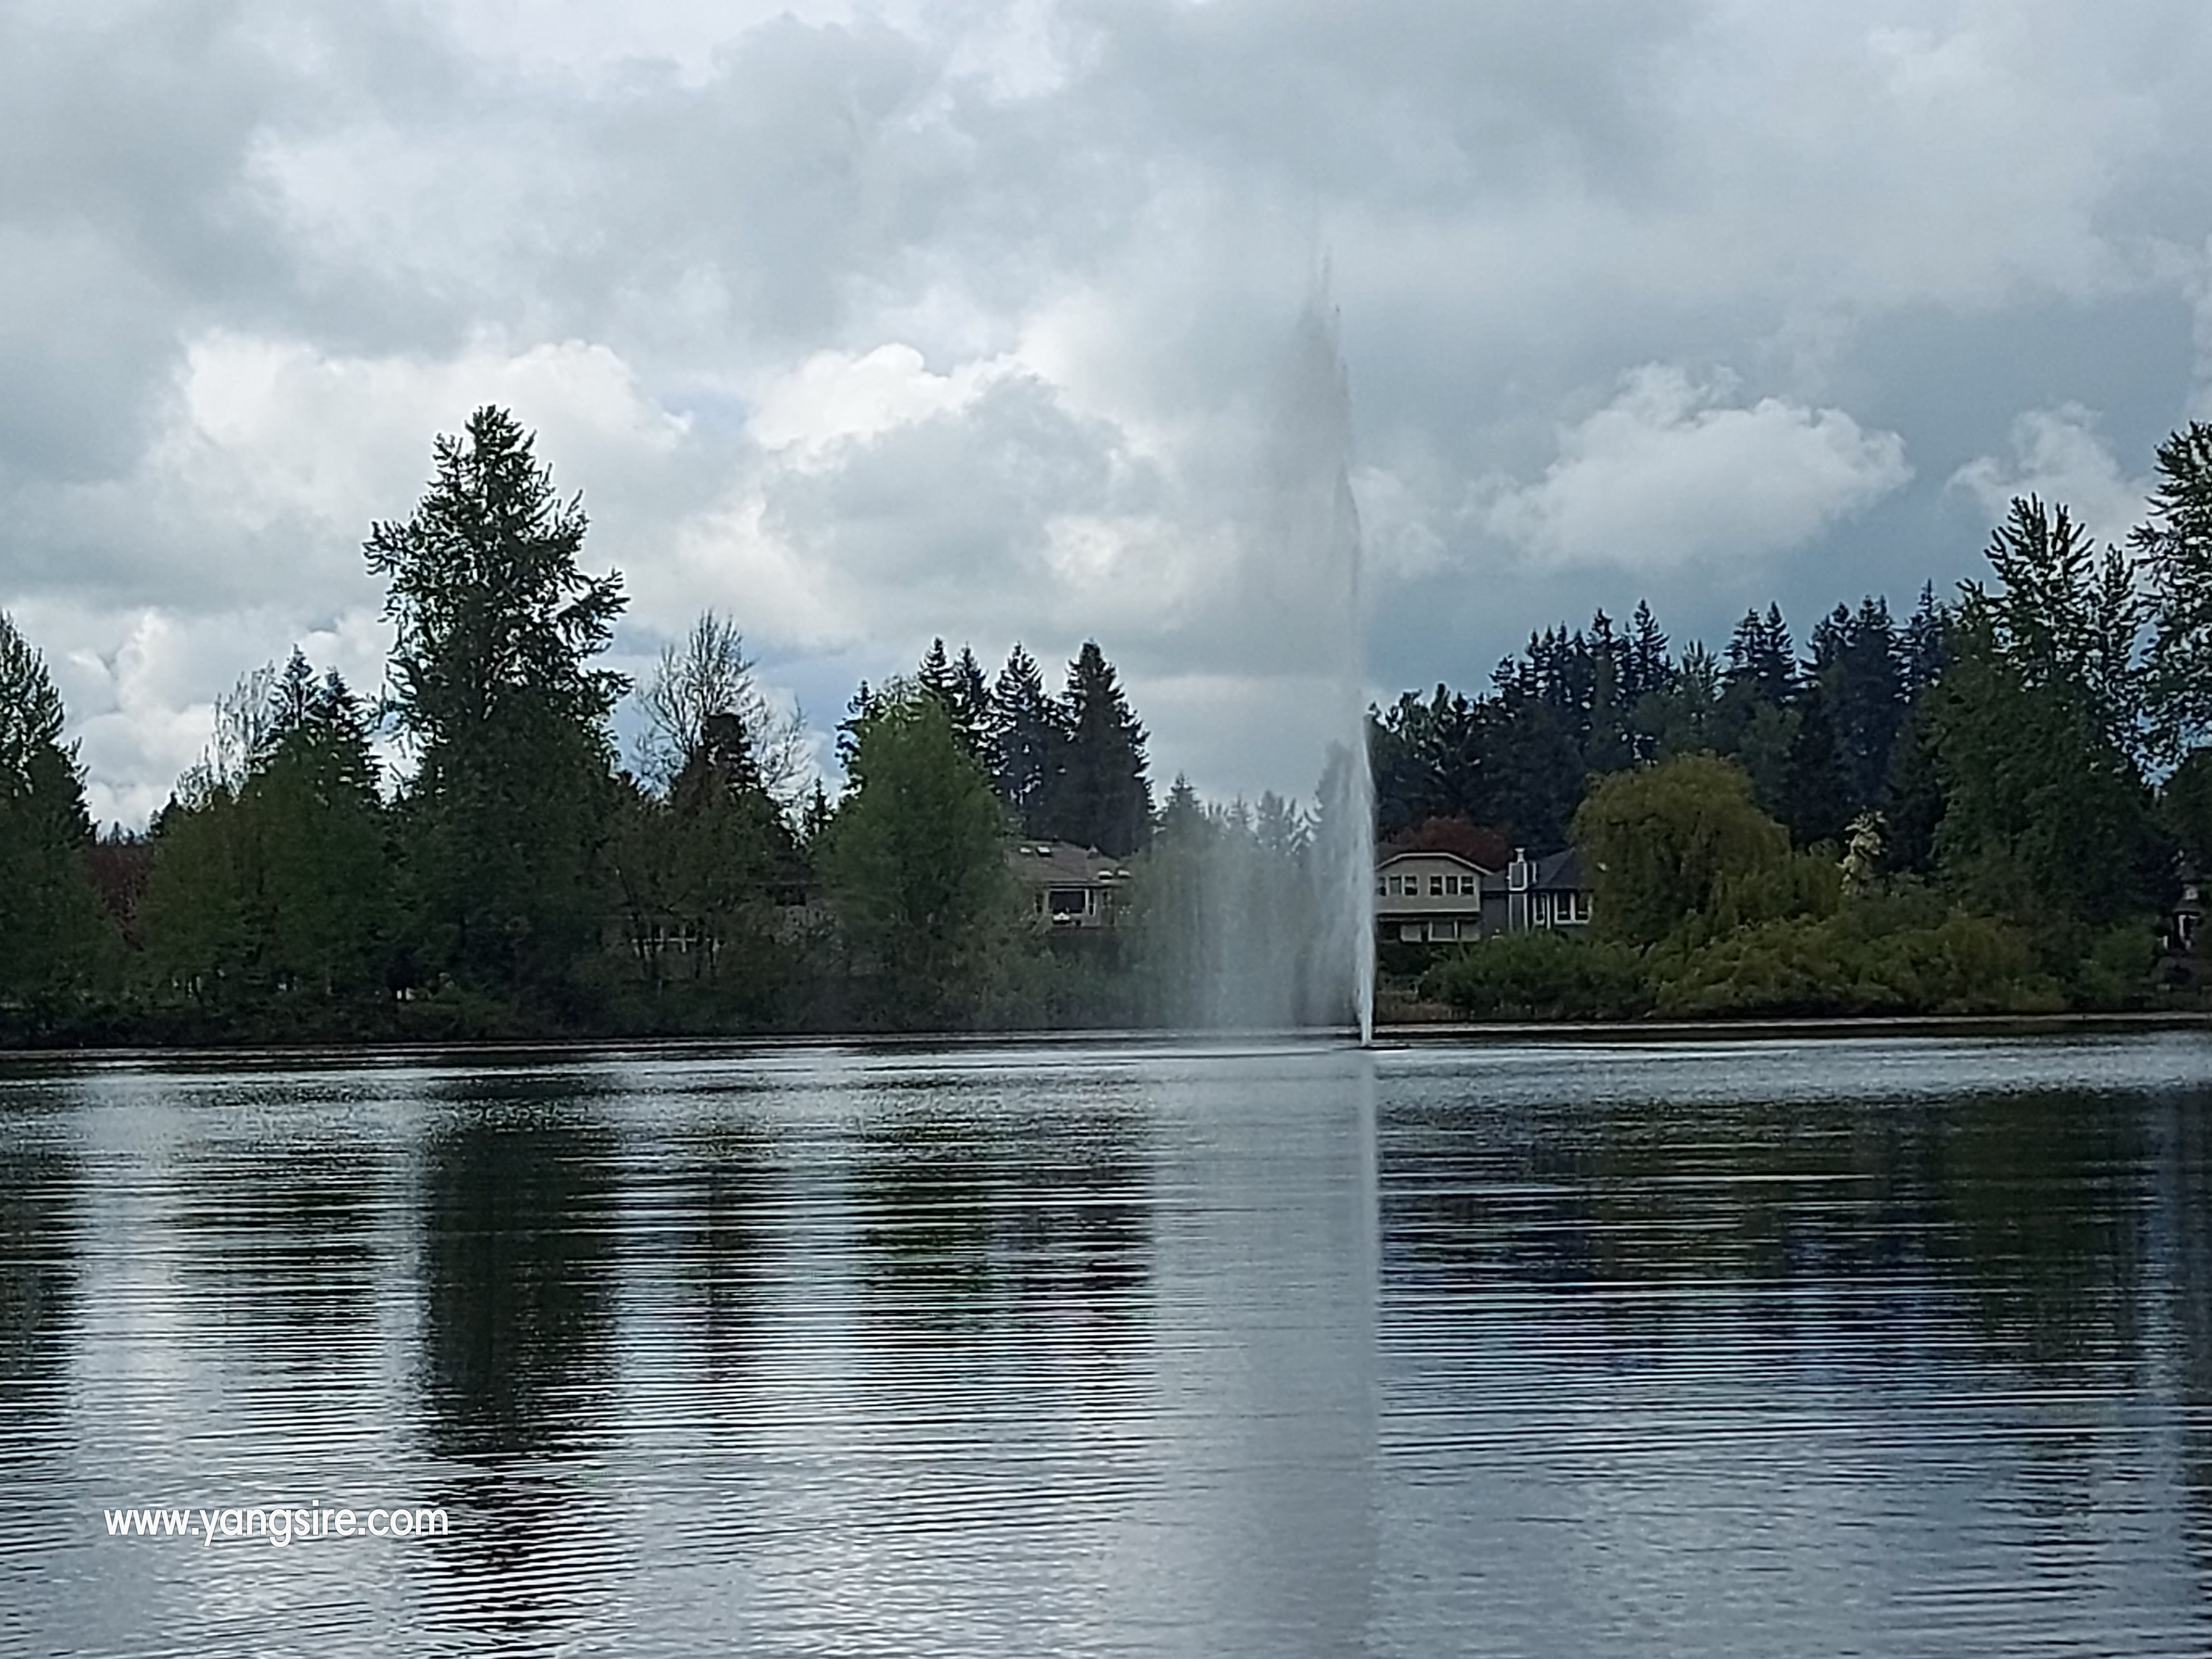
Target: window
1436	886
1381	887
1445	931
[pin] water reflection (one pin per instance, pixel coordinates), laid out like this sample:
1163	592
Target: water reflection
1907	1334
972	1213
41	1181
1904	1347
517	1377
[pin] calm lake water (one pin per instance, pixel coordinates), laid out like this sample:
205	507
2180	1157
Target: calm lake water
1879	1346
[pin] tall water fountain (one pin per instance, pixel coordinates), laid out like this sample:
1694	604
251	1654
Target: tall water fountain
1319	532
1276	918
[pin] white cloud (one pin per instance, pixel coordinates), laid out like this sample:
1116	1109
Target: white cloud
2059	455
1666	474
865	320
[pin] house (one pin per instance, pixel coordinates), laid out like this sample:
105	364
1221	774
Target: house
1069	888
1436	897
1546	893
1429	898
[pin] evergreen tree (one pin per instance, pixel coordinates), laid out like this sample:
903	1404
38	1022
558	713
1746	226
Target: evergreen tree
1762	658
1028	744
2062	616
313	806
2175	546
271	866
1101	799
1922	652
496	628
51	932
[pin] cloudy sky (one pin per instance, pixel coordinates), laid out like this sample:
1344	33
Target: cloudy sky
863	323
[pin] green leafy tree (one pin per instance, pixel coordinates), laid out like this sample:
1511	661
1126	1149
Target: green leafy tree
916	864
700	871
2045	818
497	624
2062	616
1666	845
50	917
272	866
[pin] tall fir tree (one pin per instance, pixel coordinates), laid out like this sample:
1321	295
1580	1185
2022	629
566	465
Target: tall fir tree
497	625
1028	745
51	931
1103	797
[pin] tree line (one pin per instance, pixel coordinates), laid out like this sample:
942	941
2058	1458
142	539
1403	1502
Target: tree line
1980	804
1993	805
518	878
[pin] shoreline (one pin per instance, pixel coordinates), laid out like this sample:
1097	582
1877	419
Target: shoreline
1407	1034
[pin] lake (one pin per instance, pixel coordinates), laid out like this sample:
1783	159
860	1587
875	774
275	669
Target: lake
1875	1345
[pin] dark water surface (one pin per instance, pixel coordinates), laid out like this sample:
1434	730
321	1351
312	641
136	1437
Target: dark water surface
1871	1346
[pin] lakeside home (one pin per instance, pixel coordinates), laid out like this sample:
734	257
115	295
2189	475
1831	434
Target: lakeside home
1436	897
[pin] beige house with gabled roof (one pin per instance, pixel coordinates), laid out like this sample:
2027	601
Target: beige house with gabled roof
1434	897
1429	898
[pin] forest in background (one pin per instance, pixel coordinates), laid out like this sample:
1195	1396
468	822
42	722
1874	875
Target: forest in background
1985	805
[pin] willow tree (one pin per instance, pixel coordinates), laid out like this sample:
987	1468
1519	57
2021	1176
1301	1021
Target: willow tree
492	683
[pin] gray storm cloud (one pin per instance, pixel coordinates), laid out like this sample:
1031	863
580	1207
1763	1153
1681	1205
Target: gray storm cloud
866	325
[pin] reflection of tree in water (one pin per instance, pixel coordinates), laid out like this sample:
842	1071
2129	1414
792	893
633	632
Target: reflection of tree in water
973	1215
41	1186
2038	1208
718	1195
1605	1202
518	1223
281	1233
2029	1201
518	1219
2186	1206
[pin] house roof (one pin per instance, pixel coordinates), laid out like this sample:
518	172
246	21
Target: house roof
1063	864
1389	858
1560	871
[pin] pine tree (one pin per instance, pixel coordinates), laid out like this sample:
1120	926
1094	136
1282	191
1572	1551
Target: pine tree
1028	745
51	931
1101	799
2175	546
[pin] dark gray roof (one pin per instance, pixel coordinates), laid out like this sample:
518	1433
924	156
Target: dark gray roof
1559	872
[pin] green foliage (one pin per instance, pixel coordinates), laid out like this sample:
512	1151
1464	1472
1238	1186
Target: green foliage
1865	959
2185	806
278	878
700	873
1540	974
1668	845
2044	817
2175	546
1100	799
53	939
506	818
915	863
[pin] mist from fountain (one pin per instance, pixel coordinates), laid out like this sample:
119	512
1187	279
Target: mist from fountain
1320	533
1275	916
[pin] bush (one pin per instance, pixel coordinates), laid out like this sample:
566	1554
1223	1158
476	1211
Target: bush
1541	976
1872	958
